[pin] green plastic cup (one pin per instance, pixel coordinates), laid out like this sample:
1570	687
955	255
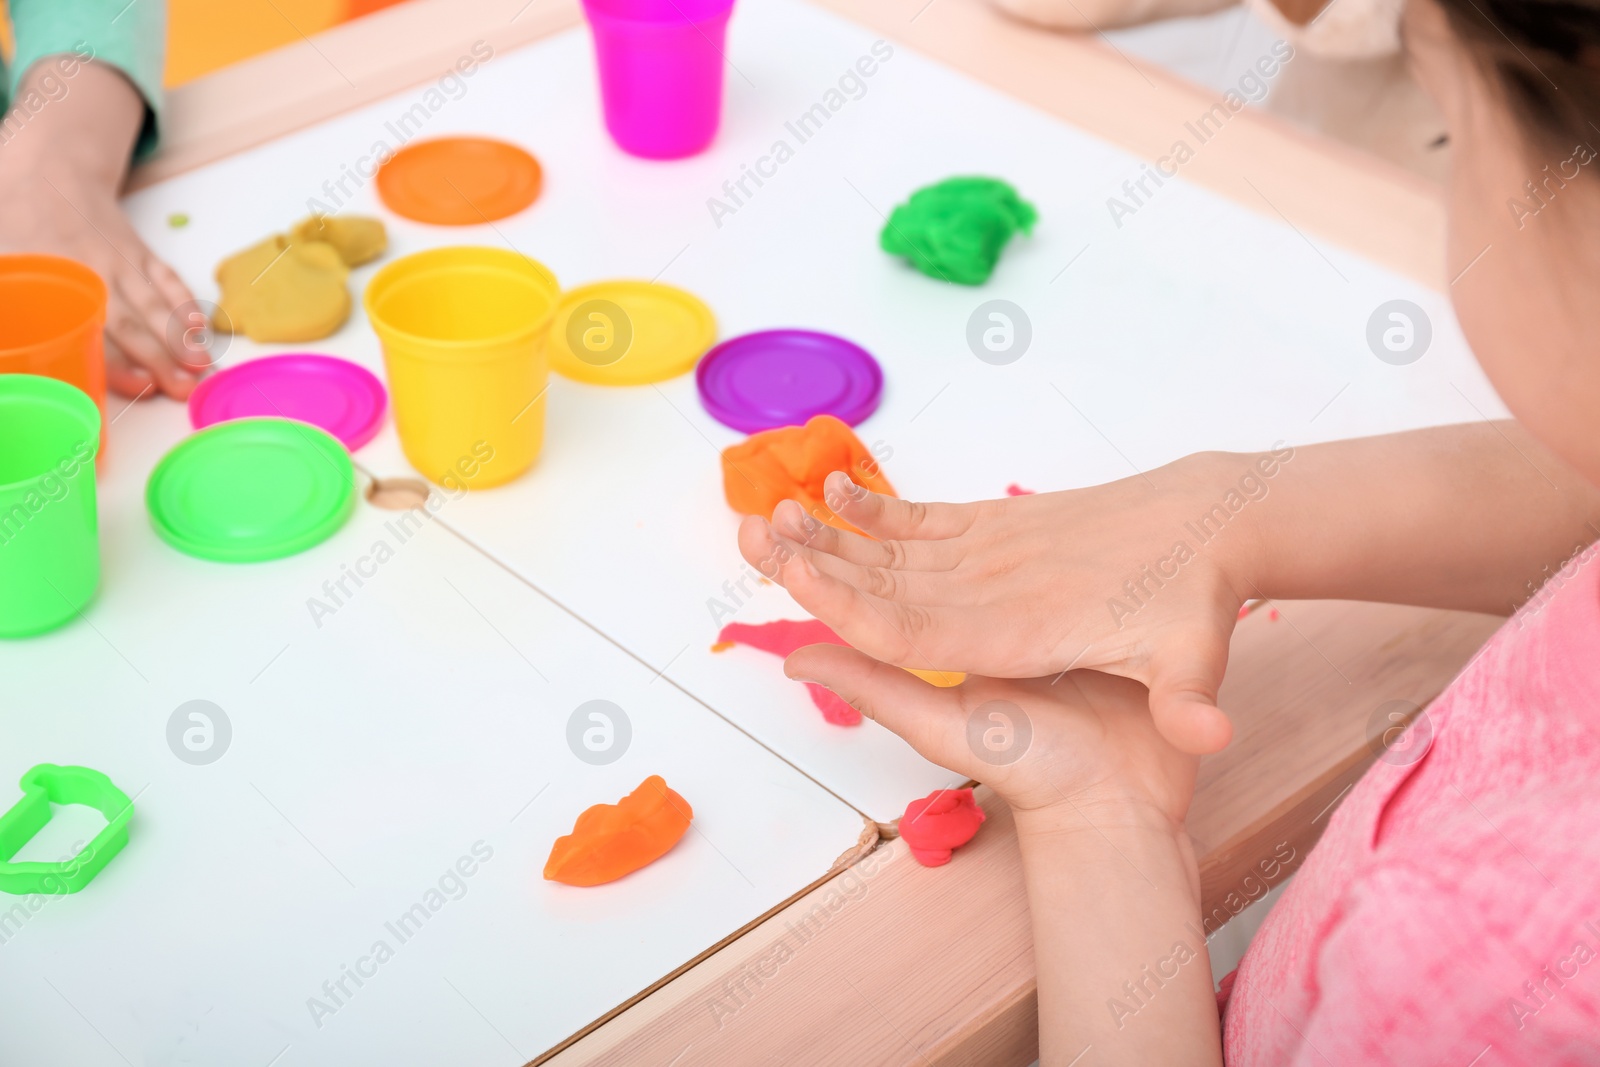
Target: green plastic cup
49	541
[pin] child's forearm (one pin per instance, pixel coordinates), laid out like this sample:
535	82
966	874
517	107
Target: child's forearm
1472	517
87	130
1124	977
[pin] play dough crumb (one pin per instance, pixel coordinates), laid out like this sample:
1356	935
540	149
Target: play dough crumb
956	229
939	823
1016	490
275	291
791	463
611	840
357	238
177	220
723	646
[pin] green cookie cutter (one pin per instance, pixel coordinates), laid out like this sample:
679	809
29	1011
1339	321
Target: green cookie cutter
49	784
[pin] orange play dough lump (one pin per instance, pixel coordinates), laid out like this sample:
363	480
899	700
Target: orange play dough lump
611	840
791	463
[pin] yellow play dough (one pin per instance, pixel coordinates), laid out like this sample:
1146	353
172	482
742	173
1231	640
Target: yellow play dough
356	238
291	288
942	679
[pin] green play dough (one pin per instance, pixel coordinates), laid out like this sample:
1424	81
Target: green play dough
955	230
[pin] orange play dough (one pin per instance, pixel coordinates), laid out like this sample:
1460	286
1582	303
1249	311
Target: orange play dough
611	840
791	463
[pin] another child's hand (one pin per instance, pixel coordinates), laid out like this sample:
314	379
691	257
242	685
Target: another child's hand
1035	585
59	179
1083	743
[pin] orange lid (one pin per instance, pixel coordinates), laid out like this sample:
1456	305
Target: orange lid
459	181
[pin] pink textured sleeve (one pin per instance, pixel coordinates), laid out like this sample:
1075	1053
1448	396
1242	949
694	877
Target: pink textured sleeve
1487	952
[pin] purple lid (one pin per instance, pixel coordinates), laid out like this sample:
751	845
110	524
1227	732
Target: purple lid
345	399
759	381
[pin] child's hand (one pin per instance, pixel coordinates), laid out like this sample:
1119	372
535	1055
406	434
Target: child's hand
1035	585
1083	744
1100	800
59	178
66	217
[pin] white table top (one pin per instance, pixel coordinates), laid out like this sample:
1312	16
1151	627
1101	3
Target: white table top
421	725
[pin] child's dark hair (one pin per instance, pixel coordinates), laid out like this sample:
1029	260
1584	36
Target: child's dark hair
1545	55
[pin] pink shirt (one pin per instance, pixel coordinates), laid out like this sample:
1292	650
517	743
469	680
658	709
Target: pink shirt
1451	912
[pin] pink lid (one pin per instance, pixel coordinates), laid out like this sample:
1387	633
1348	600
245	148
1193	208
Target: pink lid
334	394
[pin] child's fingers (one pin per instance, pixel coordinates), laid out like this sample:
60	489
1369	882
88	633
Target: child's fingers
1183	697
764	549
883	629
922	588
167	284
140	291
124	378
129	326
173	294
760	547
891	519
930	719
792	522
896	633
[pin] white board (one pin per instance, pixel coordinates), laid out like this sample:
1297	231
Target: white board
421	725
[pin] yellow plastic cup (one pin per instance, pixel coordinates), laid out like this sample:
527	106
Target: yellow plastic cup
463	334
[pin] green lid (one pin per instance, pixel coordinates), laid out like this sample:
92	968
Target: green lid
251	489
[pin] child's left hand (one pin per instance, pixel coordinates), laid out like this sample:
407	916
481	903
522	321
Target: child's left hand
60	176
1083	741
1099	799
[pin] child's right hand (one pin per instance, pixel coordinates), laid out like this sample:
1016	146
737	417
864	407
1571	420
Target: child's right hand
1035	585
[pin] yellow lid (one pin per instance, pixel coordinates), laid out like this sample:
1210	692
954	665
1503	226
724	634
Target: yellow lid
629	333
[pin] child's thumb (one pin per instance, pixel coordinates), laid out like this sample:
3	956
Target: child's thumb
1183	698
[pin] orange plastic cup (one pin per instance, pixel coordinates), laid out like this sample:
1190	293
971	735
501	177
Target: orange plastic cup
52	321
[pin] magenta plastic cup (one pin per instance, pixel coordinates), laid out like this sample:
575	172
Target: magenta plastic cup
660	72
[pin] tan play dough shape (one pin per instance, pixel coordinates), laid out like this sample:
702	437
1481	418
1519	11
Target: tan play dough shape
357	238
291	288
275	291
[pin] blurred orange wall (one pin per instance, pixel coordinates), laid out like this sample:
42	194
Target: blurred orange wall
204	35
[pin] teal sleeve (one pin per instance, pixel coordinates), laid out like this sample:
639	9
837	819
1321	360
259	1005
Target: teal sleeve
130	35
